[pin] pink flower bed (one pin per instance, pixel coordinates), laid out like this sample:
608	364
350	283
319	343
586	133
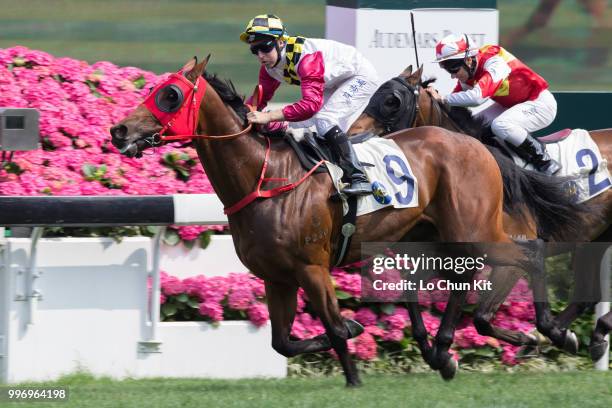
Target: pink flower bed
242	296
78	103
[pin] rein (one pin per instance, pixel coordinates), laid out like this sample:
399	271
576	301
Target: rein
258	193
442	112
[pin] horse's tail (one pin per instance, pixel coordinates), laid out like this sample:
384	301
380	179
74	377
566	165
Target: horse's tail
558	217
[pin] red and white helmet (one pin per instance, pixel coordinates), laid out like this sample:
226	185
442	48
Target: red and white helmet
454	46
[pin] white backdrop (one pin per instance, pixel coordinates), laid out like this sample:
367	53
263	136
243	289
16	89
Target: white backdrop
385	36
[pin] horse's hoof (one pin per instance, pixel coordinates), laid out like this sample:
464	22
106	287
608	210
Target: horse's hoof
449	370
354	328
598	349
570	344
354	383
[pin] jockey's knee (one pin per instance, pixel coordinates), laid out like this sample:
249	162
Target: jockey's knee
324	125
508	131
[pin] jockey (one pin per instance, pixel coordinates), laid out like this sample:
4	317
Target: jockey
336	82
523	102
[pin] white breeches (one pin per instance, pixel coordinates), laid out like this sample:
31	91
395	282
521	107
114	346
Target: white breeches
342	105
515	123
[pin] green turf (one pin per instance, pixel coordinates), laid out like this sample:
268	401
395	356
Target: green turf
155	35
513	390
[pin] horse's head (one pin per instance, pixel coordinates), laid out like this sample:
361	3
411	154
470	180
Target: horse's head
393	106
171	107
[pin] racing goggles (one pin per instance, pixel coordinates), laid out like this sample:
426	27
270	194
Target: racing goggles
452	66
264	46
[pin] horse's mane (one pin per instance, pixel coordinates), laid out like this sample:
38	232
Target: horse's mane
228	94
462	116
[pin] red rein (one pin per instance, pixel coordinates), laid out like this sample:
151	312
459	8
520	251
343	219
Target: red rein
249	198
181	124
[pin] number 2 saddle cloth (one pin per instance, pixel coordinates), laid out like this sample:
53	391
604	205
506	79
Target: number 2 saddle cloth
581	159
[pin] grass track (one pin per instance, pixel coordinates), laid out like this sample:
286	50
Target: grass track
513	390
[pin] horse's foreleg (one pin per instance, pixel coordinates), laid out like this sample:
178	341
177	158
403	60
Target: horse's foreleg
419	332
317	283
442	359
546	324
587	284
282	305
598	342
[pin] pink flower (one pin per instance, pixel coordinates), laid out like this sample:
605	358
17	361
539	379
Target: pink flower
172	286
375	331
305	326
349	283
301	303
190	232
240	298
509	354
366	316
348	314
258	314
211	309
393	335
365	347
469	337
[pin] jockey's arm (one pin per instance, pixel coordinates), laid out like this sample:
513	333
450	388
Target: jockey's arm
311	71
268	87
469	97
494	72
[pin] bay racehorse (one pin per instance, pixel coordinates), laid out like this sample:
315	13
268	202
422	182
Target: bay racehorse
403	102
290	240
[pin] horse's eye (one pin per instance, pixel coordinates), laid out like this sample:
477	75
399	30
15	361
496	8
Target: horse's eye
392	102
169	98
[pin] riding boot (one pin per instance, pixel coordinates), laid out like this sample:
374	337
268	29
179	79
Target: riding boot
534	152
348	162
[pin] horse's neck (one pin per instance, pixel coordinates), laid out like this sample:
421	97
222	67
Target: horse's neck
232	165
440	118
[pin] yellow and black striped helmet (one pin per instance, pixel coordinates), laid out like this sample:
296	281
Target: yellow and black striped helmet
263	25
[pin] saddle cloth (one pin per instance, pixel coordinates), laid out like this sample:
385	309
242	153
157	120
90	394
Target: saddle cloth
385	164
580	158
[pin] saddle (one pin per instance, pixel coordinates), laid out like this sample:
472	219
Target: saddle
489	139
311	149
555	137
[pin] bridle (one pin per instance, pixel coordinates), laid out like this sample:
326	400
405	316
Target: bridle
392	121
400	120
180	122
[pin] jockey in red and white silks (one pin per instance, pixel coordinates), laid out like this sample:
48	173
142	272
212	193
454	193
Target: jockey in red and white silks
336	83
523	103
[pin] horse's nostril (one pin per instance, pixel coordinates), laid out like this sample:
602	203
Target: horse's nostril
119	132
